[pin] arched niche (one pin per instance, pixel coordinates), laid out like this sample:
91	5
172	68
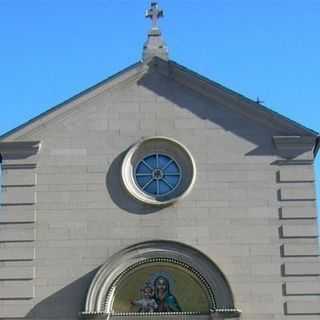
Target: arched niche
159	278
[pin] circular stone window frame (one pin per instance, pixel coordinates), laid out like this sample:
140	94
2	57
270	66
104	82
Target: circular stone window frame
166	146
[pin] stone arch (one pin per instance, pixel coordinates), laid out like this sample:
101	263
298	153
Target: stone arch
103	285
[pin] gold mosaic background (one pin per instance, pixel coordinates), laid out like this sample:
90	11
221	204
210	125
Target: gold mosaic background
188	290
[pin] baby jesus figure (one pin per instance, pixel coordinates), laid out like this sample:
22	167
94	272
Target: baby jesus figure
147	302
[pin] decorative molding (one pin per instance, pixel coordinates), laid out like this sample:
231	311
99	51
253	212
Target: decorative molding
213	314
19	149
295	147
17	226
100	288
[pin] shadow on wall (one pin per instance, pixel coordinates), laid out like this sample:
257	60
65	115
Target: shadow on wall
216	111
65	303
118	193
216	114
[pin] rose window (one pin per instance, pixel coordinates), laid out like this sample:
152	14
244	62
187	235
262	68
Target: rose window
157	174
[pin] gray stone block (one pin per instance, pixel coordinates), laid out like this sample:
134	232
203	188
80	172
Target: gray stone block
302	268
299	231
16	290
17	214
300	173
303	192
18	177
15	308
16	234
300	250
17	253
299	307
298	213
307	287
16	273
17	195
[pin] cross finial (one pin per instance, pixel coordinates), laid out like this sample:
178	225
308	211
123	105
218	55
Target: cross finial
154	13
154	46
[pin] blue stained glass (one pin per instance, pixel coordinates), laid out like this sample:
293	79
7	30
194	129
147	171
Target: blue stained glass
142	168
164	188
151	161
143	180
172	168
163	160
172	180
151	188
157	174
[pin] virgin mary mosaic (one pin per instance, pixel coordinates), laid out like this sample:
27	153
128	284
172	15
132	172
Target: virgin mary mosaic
161	287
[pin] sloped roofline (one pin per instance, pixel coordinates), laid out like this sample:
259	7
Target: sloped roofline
245	99
254	106
69	100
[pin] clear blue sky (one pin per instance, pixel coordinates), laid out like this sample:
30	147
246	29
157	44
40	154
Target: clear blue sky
51	50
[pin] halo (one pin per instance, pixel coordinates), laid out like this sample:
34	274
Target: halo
167	275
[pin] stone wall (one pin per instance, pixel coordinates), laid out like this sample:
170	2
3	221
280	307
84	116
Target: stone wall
252	214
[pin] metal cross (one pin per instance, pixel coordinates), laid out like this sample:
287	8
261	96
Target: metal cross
154	13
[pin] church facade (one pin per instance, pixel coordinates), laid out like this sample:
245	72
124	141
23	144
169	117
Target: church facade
160	194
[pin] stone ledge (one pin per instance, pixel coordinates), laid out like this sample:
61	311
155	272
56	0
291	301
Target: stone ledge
299	231
298	213
302	307
301	268
300	250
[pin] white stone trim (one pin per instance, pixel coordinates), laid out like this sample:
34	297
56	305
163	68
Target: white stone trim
118	264
170	147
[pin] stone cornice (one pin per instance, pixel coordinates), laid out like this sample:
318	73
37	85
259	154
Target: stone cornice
295	147
19	149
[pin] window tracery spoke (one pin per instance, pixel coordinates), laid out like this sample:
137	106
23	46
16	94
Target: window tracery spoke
167	183
150	181
147	165
167	165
